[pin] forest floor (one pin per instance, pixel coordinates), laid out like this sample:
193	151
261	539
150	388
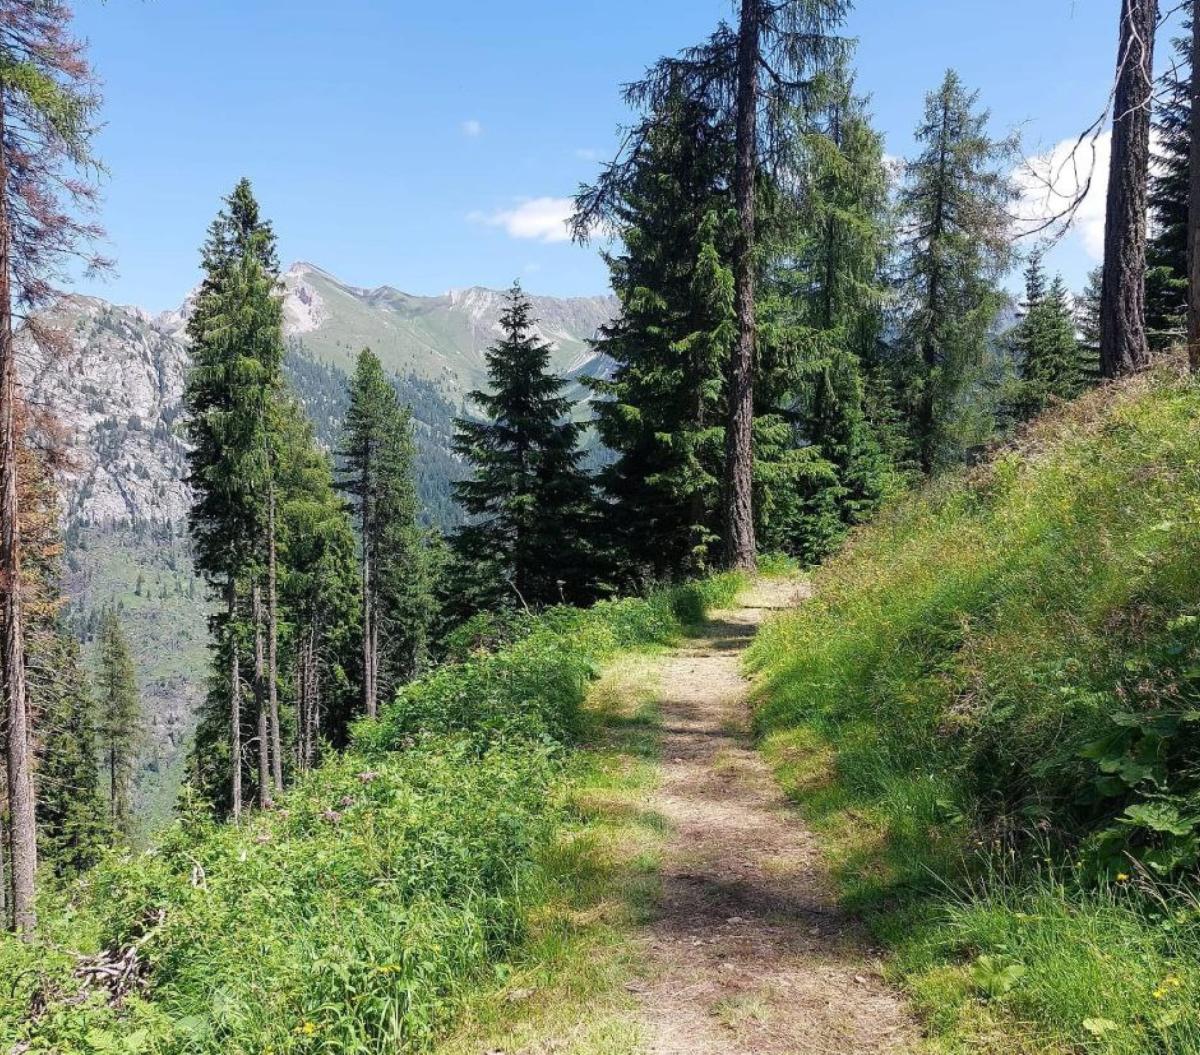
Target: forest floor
709	924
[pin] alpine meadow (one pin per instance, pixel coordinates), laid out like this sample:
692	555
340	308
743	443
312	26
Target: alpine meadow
778	633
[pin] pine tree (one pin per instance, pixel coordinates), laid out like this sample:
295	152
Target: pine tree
955	246
232	387
1166	252
377	471
120	720
529	497
661	411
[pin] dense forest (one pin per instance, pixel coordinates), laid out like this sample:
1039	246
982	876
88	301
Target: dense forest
817	373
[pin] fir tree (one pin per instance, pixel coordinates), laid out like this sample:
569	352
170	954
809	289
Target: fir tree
956	245
377	471
529	497
234	381
120	720
73	825
661	409
1050	362
1166	252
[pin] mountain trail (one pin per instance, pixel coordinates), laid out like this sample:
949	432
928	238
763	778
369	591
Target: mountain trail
749	951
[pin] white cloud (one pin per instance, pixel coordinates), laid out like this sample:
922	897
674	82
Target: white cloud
1050	181
472	128
537	219
587	154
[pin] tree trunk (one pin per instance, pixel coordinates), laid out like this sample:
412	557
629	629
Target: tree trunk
1193	327
368	605
235	706
1123	345
273	647
260	703
22	830
740	547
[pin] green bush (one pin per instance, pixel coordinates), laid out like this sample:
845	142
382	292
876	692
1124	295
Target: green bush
355	916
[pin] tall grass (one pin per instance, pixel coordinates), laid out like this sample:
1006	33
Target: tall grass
1002	671
359	915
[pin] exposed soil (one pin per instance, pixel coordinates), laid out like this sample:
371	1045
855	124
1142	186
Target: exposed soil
751	954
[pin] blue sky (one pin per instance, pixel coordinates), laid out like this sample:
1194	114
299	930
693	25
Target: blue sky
428	146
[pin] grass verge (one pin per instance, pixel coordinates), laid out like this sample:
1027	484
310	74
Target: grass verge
989	711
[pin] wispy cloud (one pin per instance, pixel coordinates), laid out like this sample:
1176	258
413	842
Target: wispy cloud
587	153
471	128
536	219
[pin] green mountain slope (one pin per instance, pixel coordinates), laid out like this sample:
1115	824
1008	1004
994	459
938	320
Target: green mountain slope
991	710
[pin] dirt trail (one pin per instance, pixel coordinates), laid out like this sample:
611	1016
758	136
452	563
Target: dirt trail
751	954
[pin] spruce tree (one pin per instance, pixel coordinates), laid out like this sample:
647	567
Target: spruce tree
377	471
120	720
233	384
956	221
1050	361
528	498
661	409
73	823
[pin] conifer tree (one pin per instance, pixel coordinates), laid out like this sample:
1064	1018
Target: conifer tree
1166	251
233	384
318	584
956	244
528	497
377	471
73	823
48	103
120	720
661	409
1051	362
760	77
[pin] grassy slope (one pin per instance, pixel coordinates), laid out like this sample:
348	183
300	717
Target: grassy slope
380	899
935	710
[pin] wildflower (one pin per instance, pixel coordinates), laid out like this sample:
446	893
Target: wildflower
367	776
347	800
332	816
1122	877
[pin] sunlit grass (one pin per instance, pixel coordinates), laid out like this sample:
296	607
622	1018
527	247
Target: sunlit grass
928	711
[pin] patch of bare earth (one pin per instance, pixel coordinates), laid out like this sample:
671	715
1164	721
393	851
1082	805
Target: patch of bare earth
749	951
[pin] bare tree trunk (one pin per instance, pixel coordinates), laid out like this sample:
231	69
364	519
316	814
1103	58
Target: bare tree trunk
19	758
260	703
1123	345
1193	327
273	647
368	604
740	547
235	706
4	882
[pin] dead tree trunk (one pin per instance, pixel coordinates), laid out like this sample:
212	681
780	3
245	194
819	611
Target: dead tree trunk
740	547
260	703
1123	344
22	823
1193	327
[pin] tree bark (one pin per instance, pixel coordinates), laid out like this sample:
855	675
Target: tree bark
368	599
235	706
260	703
1123	344
740	546
22	821
1193	327
273	647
